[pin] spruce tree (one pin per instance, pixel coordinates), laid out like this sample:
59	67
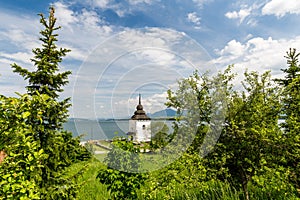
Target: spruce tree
291	115
291	87
46	83
46	79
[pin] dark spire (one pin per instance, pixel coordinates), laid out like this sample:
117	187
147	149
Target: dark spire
140	114
140	99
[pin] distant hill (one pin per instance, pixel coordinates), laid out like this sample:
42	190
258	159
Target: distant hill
163	113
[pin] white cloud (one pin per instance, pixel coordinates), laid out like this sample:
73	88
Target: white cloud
145	60
232	50
151	104
102	4
81	32
23	57
257	54
280	8
20	38
200	3
65	16
193	17
85	27
240	15
135	2
121	8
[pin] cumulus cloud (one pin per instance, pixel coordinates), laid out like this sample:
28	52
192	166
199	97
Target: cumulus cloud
81	32
257	54
65	16
145	60
101	3
151	103
193	18
240	15
84	26
280	8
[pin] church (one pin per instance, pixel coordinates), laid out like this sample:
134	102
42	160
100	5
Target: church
140	125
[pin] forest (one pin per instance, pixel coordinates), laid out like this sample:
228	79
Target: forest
228	142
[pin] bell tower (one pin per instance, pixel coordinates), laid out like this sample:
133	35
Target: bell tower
140	124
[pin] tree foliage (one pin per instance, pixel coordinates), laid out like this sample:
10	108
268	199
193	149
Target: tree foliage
37	148
251	131
250	146
291	115
21	169
160	136
46	79
122	175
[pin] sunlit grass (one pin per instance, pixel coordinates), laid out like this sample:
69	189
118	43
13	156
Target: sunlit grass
90	187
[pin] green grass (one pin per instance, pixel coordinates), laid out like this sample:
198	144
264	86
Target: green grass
100	157
105	143
91	188
210	190
98	148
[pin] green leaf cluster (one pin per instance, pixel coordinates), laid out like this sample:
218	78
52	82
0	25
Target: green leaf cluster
121	175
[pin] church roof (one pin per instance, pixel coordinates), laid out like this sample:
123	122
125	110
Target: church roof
140	114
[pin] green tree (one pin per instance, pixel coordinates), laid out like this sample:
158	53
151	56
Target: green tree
122	175
20	172
46	79
247	141
248	127
160	136
47	126
23	170
200	102
291	115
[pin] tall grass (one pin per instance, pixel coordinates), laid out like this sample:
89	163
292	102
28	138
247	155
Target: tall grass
210	190
92	189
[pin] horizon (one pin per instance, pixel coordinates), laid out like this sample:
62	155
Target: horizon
128	117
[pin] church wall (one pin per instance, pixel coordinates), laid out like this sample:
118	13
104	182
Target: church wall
143	130
132	125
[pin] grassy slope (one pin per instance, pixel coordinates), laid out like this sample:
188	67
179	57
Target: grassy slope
91	188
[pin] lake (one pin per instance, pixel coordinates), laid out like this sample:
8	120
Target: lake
102	129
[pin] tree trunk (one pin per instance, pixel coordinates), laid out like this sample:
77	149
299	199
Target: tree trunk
2	156
245	188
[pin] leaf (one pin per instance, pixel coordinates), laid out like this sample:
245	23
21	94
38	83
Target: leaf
26	114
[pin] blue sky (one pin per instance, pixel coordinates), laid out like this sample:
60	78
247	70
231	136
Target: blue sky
122	48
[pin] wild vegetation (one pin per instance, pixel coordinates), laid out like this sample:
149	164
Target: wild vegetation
226	144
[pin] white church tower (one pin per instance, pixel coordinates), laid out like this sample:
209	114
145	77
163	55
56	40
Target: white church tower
140	125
